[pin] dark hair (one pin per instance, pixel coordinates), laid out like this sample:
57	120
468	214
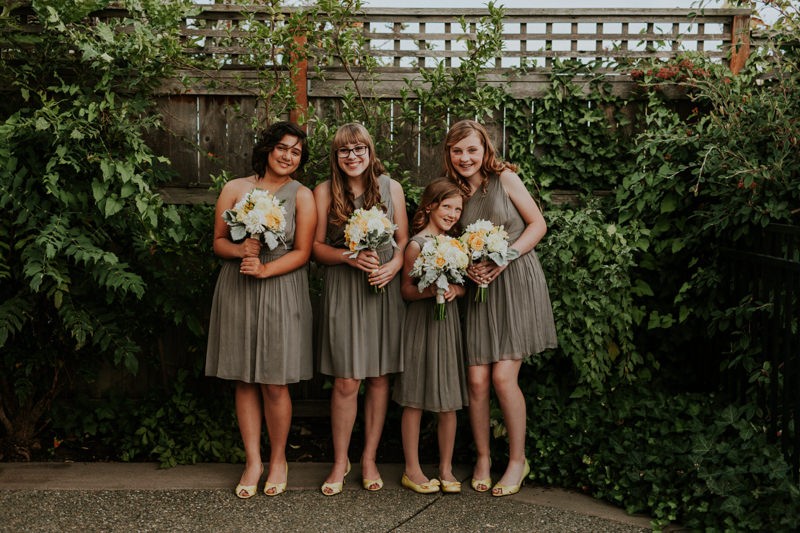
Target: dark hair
269	139
435	193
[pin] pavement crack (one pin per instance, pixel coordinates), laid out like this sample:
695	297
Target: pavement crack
421	510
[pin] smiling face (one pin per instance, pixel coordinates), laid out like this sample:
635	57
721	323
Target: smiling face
444	216
466	156
284	159
353	159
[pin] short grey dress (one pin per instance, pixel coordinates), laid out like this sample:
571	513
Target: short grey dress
516	320
260	330
359	330
434	376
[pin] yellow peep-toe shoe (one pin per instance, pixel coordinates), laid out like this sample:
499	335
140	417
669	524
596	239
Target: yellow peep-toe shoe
368	483
248	491
332	489
484	484
508	490
481	485
277	488
428	487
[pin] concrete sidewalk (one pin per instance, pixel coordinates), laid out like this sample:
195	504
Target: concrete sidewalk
142	497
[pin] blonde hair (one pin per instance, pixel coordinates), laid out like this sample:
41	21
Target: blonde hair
491	164
342	198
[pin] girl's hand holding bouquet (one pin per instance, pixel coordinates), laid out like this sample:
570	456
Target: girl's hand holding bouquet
443	260
485	241
368	230
258	217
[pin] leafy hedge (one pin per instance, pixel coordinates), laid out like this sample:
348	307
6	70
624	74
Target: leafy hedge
95	268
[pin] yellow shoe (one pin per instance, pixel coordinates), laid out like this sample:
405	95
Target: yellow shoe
481	485
276	488
450	487
508	490
428	487
332	489
248	491
368	483
484	484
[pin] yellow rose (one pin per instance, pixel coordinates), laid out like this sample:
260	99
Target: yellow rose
476	241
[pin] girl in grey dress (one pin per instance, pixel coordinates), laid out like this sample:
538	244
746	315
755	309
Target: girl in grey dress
359	335
516	320
433	378
261	323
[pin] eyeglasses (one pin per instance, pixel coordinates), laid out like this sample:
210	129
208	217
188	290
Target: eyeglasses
357	151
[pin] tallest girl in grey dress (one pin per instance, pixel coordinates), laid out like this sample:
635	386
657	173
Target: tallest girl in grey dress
260	331
359	336
516	320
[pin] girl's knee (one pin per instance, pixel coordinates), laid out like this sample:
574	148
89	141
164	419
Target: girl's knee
346	386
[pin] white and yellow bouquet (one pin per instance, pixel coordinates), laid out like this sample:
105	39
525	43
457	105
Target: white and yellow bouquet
259	215
484	240
368	229
443	260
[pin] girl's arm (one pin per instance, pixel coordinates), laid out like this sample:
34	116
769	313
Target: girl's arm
323	252
305	223
408	285
224	247
536	227
386	272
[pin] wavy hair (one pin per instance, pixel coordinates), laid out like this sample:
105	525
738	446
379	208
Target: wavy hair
437	191
269	139
491	165
342	198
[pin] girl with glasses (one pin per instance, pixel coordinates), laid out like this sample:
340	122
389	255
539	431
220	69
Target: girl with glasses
360	330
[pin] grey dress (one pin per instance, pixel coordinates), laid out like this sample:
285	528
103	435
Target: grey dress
434	376
260	330
359	331
517	319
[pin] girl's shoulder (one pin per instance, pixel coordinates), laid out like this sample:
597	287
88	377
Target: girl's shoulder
238	184
510	181
323	189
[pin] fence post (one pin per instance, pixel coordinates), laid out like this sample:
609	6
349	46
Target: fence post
740	42
300	81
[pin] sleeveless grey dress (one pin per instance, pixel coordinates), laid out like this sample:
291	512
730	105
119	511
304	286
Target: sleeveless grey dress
517	318
260	330
359	331
434	376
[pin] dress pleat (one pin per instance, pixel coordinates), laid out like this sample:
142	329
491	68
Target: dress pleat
260	329
434	376
516	320
359	330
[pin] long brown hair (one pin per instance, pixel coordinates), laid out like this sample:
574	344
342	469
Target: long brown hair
435	193
491	165
342	198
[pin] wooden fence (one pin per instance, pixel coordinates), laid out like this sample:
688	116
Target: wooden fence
208	121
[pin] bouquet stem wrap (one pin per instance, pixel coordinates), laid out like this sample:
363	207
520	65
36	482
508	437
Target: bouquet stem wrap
441	306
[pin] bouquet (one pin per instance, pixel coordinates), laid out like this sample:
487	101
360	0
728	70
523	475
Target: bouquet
368	229
260	215
484	240
442	260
